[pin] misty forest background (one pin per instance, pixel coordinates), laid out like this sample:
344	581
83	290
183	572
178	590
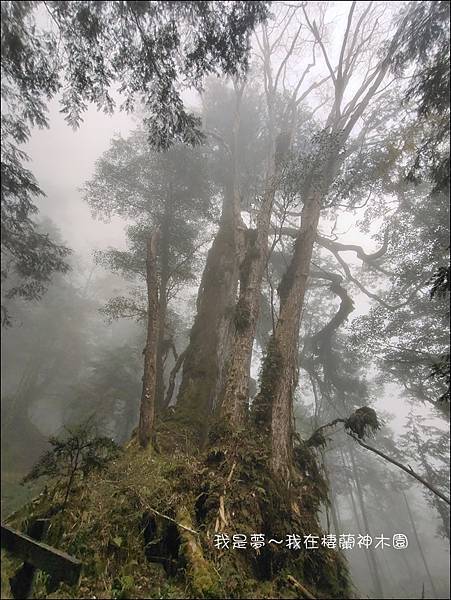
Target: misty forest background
176	236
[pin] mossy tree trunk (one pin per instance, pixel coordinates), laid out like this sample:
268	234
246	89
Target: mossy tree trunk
205	359
235	399
273	405
254	258
147	408
279	375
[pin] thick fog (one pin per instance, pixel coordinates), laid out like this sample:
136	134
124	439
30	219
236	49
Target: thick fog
76	352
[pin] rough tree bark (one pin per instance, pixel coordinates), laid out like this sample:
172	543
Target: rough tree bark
236	390
279	375
147	408
273	405
205	361
163	302
235	397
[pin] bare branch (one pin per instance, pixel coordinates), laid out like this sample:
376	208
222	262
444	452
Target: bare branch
345	39
367	258
314	29
287	55
407	469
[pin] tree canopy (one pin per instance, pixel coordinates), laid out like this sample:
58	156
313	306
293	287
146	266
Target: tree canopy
86	50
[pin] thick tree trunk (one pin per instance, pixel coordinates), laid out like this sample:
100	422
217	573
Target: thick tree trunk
279	375
235	398
273	405
204	363
147	409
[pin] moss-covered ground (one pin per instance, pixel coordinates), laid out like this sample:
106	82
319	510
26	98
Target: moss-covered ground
144	527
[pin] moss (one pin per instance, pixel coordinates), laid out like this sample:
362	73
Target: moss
9	567
242	316
252	253
286	283
184	428
363	421
105	525
269	376
203	580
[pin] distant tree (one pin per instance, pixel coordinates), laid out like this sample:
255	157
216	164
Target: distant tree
430	447
110	386
29	256
44	353
44	344
169	192
425	46
410	341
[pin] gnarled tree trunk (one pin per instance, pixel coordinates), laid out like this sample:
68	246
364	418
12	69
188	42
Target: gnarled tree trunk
206	358
235	397
204	363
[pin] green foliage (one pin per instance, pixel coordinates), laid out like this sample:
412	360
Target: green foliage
430	447
77	454
440	282
122	587
151	50
425	46
407	341
106	524
169	191
29	256
441	371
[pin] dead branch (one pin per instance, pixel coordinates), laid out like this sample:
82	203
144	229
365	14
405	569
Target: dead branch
406	469
172	520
